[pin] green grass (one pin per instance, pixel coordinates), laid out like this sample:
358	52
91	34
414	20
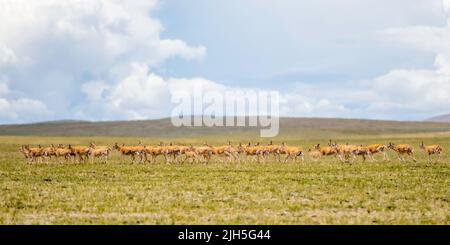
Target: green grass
290	128
326	192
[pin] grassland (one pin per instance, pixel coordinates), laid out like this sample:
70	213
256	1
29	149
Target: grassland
290	128
326	192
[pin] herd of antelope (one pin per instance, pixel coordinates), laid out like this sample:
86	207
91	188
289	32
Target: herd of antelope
227	153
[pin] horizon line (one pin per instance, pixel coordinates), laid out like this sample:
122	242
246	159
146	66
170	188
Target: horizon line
430	120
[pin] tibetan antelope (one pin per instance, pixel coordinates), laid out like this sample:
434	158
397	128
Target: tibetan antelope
329	150
345	153
63	153
253	152
432	150
401	150
204	153
315	153
171	152
81	152
35	154
190	154
377	148
150	153
26	153
291	152
225	152
274	150
102	152
361	151
132	151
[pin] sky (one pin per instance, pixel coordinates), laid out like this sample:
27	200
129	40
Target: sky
123	60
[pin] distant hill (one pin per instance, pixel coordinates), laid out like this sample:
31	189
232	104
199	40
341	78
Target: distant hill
442	118
163	128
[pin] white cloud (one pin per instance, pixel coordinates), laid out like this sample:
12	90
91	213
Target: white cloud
417	92
3	88
422	92
19	109
412	94
300	103
52	50
94	90
7	56
96	59
407	93
140	95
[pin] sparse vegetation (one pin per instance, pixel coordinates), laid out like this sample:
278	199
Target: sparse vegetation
322	192
290	128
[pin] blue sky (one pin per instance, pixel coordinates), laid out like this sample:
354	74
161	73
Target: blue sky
122	60
290	41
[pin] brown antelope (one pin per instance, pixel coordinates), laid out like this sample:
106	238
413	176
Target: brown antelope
81	152
132	151
36	153
432	150
233	152
253	152
345	153
401	150
190	154
182	150
315	153
150	153
291	152
361	151
62	152
220	152
49	152
377	148
240	149
262	152
171	152
99	152
204	152
326	150
272	149
225	152
26	153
